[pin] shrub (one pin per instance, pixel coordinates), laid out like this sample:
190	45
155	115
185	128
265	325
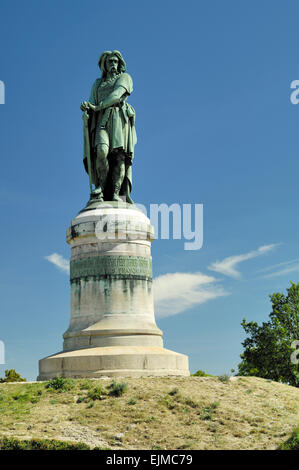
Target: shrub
200	373
95	394
60	383
224	378
117	389
12	376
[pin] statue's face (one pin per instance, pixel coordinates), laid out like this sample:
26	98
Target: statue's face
112	64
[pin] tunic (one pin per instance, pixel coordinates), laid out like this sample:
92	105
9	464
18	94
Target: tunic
118	120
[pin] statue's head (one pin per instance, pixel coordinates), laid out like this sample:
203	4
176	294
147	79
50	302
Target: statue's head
111	61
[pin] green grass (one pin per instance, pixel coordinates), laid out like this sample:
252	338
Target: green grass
132	401
95	393
293	442
207	412
17	401
165	412
40	444
60	384
190	402
85	385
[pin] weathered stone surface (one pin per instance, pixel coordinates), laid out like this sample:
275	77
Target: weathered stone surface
112	329
127	361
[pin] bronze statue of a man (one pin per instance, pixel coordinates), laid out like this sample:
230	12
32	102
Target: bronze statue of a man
109	147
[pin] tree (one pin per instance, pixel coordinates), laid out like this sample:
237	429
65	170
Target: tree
270	349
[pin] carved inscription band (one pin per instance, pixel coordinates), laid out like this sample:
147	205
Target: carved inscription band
121	266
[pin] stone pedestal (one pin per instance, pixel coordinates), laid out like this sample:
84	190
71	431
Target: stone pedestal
112	330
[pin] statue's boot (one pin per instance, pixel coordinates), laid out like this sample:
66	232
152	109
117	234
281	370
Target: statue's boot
115	195
126	190
98	193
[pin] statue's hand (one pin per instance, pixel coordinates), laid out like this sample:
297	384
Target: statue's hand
84	106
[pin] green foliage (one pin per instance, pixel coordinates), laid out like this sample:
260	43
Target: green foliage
60	383
170	404
117	389
12	376
224	378
54	402
95	393
25	398
200	373
40	444
191	403
132	401
35	400
268	348
207	413
293	442
85	385
81	399
156	447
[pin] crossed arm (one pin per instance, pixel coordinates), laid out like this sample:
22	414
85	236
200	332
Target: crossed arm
113	98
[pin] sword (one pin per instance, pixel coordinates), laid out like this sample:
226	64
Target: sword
85	118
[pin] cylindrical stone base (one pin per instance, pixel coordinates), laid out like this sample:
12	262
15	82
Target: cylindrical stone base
112	328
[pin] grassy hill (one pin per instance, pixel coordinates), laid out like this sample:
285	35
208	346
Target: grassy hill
153	413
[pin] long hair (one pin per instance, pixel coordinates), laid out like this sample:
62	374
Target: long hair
102	62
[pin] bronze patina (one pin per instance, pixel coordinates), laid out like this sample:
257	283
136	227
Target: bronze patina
109	131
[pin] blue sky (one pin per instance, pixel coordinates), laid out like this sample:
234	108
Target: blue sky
215	126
